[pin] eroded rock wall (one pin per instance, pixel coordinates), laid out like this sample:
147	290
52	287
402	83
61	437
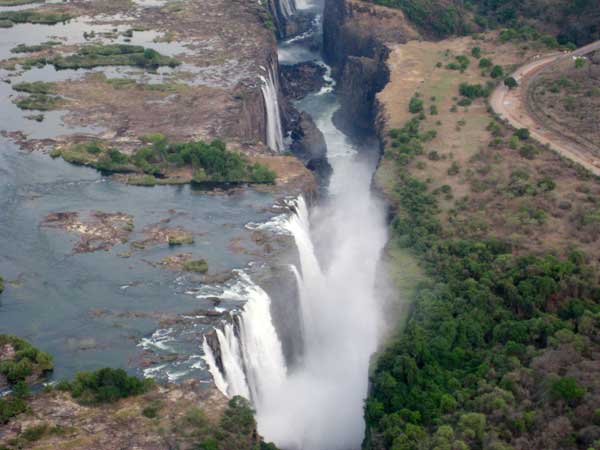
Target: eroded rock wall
355	38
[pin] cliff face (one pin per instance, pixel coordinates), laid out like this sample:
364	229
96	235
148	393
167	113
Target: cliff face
355	35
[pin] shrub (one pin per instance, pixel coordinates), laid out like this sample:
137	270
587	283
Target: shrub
476	52
28	360
433	110
105	386
528	151
510	82
522	133
473	90
464	102
485	63
497	71
196	265
567	389
454	169
415	105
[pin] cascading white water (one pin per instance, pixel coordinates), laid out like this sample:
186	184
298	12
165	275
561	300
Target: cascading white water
319	404
287	8
253	362
211	362
270	94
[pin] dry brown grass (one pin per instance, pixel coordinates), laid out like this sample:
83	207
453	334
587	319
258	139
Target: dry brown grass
482	203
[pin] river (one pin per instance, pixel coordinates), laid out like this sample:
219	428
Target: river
314	401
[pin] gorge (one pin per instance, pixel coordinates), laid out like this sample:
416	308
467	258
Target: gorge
315	401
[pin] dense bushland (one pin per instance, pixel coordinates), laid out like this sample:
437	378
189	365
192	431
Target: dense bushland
104	386
497	345
570	21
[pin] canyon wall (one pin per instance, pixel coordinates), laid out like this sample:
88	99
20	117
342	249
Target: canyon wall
355	43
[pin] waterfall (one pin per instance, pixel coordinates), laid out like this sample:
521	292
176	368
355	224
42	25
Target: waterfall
287	8
302	4
252	358
213	368
271	96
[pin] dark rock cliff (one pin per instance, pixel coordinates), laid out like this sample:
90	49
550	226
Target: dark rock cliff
355	38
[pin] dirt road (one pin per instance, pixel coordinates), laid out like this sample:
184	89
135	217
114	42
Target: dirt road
510	105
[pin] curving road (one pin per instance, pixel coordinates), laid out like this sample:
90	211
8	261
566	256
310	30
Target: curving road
510	105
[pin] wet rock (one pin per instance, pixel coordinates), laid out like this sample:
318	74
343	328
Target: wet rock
310	147
299	80
99	231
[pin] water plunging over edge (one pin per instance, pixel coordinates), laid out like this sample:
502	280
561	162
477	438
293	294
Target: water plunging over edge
318	404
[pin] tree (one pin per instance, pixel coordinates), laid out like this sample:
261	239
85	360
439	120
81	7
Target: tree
416	105
510	82
522	133
497	71
484	63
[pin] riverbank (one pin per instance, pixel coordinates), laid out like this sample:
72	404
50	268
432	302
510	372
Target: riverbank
473	201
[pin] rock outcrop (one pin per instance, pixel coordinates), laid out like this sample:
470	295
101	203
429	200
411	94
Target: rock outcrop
354	44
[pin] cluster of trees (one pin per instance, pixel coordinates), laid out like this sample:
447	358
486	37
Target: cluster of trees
104	386
460	374
210	162
574	19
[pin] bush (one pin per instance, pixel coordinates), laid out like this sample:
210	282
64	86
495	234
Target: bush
510	82
28	360
473	90
485	63
568	390
416	105
497	71
476	52
105	386
454	169
196	265
522	133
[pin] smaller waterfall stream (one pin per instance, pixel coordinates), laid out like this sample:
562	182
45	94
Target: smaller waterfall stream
270	91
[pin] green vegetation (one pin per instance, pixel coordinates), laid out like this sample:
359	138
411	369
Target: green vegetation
510	83
196	265
236	429
28	361
18	2
497	71
23	48
104	386
180	239
35	17
416	105
96	55
473	90
22	363
460	375
462	62
452	17
40	102
209	162
1	285
37	87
